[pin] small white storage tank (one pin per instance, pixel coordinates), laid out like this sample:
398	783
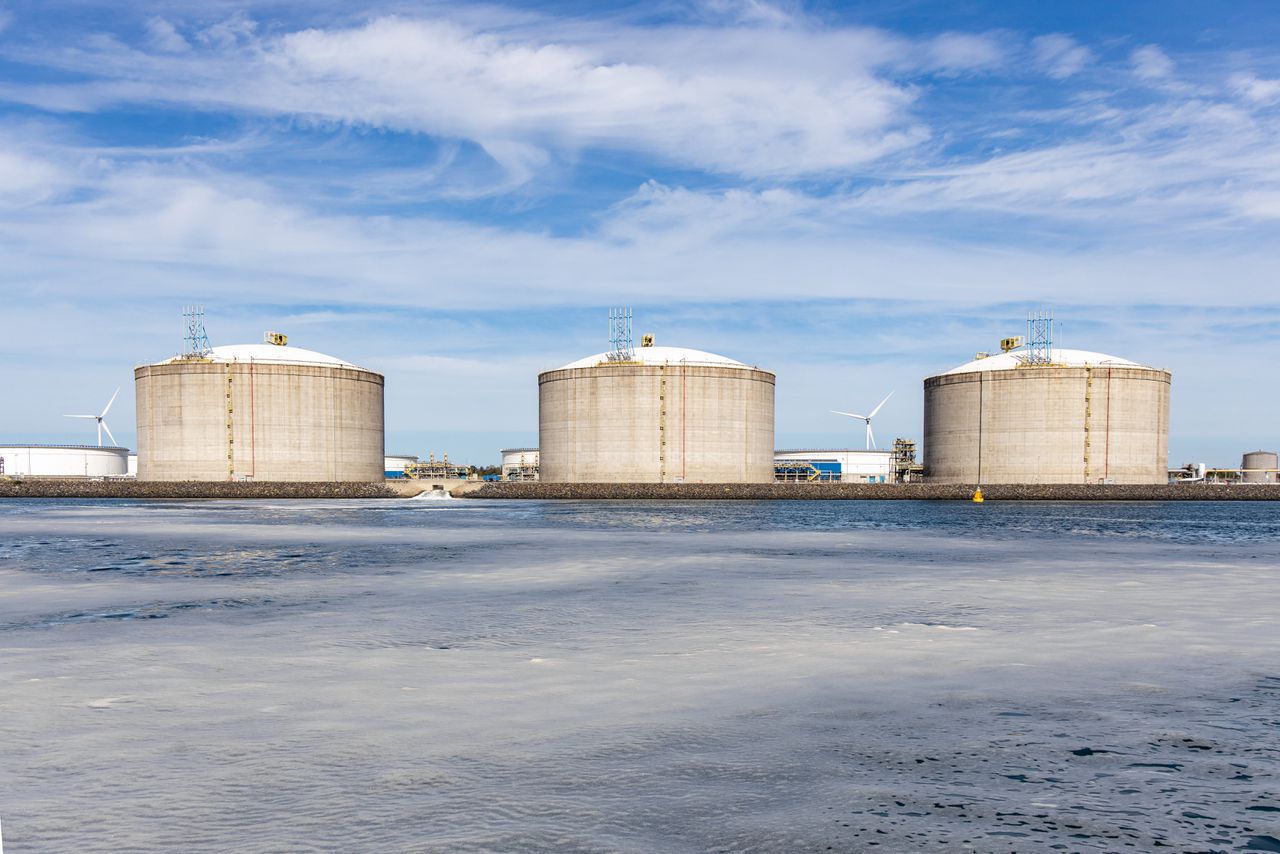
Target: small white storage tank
63	461
265	412
665	415
393	464
520	463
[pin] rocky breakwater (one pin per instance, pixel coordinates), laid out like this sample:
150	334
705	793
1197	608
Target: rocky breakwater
71	488
878	491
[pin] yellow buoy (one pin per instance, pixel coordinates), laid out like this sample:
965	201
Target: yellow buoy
977	496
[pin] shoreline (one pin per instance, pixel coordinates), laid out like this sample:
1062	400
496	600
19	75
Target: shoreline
243	490
878	492
134	489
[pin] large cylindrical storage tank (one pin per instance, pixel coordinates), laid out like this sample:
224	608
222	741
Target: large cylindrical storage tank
1082	418
1259	467
259	412
668	415
63	461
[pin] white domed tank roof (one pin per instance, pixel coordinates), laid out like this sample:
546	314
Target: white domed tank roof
1060	358
663	356
269	354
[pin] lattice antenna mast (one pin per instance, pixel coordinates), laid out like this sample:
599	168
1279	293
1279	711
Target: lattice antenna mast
196	343
1040	338
620	336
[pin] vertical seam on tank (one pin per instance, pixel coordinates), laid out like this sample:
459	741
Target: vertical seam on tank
1106	446
333	429
231	424
1162	416
981	388
151	420
253	430
744	472
1088	418
574	383
662	423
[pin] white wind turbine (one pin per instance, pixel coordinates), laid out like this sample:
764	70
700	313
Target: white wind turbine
871	437
101	419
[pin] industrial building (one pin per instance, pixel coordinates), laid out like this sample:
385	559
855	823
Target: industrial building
520	464
655	415
81	461
1039	414
393	464
433	469
844	466
265	412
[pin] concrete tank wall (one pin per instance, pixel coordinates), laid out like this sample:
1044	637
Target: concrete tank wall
1259	460
656	424
288	422
1047	425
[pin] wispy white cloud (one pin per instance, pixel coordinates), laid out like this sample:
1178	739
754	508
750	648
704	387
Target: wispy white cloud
956	52
229	33
153	234
165	37
1060	56
689	97
1151	63
1134	175
751	12
1256	89
758	102
1259	204
712	109
27	179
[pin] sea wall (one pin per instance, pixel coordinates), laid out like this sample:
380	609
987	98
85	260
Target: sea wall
72	488
876	491
68	488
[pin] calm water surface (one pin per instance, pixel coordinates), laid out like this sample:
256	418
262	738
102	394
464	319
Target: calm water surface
465	675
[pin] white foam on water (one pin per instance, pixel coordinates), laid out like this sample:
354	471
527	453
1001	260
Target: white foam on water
433	495
326	677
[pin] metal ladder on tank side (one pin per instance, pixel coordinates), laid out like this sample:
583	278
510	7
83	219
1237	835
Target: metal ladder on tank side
1088	417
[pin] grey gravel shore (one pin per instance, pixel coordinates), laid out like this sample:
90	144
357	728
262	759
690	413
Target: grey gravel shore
31	488
69	488
869	491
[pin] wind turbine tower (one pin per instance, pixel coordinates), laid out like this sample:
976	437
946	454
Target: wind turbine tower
102	420
871	437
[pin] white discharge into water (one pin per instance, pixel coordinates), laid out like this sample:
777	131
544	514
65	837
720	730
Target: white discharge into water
465	676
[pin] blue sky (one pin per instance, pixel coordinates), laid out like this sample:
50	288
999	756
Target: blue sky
854	196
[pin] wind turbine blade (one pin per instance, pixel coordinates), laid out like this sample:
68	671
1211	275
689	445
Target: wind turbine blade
107	408
882	403
79	416
108	429
871	437
850	414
